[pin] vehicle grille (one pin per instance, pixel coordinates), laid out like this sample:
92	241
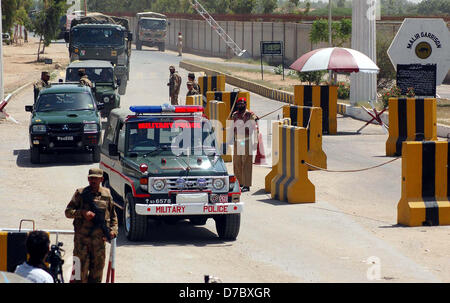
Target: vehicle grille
65	127
191	183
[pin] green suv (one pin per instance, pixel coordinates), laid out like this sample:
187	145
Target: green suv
65	117
101	74
152	176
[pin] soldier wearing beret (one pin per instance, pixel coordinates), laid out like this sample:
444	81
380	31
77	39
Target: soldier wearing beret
41	84
95	221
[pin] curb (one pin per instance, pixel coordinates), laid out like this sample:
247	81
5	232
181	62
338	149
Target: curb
357	113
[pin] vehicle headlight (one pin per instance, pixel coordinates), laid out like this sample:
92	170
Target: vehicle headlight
159	185
181	183
90	128
106	99
201	182
218	183
39	128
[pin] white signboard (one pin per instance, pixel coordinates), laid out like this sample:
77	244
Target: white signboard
422	41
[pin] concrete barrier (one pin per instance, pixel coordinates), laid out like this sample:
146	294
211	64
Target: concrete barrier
275	152
194	100
218	115
311	119
324	96
211	83
425	184
291	183
410	119
229	98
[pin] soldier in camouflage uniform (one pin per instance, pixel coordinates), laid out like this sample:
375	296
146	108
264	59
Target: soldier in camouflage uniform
39	85
84	80
191	77
174	85
191	90
89	239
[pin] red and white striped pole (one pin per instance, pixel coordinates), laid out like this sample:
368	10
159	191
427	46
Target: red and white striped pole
112	263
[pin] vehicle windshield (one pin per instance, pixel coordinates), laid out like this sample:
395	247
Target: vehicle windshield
97	36
94	74
64	102
172	137
153	24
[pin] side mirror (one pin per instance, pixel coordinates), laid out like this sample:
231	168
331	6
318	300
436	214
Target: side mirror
119	82
29	108
66	36
130	36
100	106
112	150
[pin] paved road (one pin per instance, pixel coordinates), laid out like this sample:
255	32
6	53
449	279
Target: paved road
353	219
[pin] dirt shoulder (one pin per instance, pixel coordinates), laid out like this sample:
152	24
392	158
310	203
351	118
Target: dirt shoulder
20	64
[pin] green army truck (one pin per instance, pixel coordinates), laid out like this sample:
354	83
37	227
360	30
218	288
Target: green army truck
152	176
65	117
101	37
101	73
151	30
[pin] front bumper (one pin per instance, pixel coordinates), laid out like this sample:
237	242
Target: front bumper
189	209
66	141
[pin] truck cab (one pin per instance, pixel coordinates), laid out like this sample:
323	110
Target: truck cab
161	162
151	30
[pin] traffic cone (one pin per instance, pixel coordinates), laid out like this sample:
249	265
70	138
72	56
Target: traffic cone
260	158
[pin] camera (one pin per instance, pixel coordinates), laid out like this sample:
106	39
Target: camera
56	262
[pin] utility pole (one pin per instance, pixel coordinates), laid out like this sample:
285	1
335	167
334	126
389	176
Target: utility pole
85	8
1	57
330	43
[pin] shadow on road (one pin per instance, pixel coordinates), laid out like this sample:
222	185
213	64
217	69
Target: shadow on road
182	233
47	160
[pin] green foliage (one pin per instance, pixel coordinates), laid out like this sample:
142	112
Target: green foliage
341	31
278	70
387	72
265	6
242	6
434	7
343	90
9	8
311	77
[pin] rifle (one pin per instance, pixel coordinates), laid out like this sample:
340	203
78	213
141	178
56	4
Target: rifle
99	218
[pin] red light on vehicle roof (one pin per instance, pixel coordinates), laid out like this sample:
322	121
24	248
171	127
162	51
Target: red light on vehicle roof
143	167
188	109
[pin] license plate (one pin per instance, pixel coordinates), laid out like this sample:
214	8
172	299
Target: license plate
66	138
223	198
192	198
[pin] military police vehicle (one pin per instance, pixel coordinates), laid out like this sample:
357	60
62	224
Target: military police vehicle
101	37
151	30
101	74
65	117
161	162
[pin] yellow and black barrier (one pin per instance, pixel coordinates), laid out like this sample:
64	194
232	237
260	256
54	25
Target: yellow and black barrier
410	119
425	184
12	250
291	183
229	98
342	109
210	83
324	96
218	116
194	100
311	119
275	151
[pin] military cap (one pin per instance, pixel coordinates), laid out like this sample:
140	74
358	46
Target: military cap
95	172
171	67
191	75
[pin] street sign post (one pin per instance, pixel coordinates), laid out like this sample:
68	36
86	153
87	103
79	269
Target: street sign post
271	48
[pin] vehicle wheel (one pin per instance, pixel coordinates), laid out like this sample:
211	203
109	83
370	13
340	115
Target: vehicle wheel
198	220
35	155
138	45
123	85
227	226
135	226
96	154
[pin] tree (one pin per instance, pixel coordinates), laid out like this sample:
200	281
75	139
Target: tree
341	3
434	7
242	6
387	72
46	24
341	31
9	8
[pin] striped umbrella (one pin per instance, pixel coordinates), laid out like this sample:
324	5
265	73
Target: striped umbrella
337	59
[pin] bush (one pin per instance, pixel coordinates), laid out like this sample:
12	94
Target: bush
394	92
278	70
311	77
343	90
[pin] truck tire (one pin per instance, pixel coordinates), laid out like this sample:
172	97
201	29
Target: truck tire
96	154
135	226
123	85
227	226
35	155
